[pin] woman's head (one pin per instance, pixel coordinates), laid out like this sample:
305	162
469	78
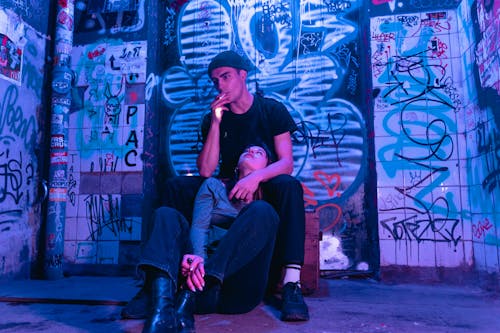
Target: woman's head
254	157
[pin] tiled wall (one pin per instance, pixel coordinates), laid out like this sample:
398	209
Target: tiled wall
436	77
103	211
419	140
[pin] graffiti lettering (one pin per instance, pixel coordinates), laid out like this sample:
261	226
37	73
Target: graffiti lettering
103	213
11	118
481	228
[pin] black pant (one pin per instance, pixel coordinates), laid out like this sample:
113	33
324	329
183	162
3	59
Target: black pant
283	192
241	260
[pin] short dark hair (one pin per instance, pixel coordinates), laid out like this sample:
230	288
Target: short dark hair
228	59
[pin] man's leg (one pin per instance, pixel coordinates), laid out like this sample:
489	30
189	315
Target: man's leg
286	195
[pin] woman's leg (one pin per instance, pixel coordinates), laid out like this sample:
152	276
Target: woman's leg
167	242
162	251
242	259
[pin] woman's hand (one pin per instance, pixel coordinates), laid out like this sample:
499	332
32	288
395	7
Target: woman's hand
193	268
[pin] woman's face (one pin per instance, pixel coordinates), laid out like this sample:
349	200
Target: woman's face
253	158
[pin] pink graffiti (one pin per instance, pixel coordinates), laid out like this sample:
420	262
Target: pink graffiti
482	227
330	182
328	208
309	196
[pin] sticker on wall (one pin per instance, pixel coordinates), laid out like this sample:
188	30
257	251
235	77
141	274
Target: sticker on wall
11	59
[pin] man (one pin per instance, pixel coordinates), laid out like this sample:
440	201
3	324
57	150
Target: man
239	118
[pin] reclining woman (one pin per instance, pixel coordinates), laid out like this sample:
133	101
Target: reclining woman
219	265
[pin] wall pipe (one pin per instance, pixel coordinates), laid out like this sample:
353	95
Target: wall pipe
62	81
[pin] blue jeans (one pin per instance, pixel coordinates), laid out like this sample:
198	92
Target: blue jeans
241	260
283	192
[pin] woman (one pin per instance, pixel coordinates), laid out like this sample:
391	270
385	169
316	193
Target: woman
228	269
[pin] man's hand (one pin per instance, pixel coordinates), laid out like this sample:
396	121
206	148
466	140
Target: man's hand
245	188
193	268
218	107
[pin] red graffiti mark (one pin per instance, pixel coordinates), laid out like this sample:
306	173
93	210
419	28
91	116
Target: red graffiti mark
93	54
482	227
133	97
380	2
65	20
330	182
334	213
63	3
177	4
309	196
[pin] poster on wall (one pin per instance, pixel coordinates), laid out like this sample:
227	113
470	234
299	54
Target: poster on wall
11	60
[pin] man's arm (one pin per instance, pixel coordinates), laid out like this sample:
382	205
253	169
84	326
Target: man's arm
246	187
208	159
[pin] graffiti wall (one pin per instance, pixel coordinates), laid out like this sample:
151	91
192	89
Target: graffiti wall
435	145
22	53
305	54
479	24
106	130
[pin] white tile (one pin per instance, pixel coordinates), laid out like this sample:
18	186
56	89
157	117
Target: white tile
449	255
90	160
491	256
132	160
468	253
389	199
420	254
70	227
389	174
402	253
467	228
445	174
71	205
84	229
387	252
386	148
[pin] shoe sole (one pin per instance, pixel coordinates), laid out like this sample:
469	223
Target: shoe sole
295	317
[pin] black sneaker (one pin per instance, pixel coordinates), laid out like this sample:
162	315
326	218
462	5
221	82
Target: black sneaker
293	307
138	307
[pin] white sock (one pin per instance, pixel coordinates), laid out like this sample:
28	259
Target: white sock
292	274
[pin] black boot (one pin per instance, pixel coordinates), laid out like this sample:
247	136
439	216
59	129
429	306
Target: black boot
162	316
184	308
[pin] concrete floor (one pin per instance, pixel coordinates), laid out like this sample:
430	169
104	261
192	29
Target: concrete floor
93	304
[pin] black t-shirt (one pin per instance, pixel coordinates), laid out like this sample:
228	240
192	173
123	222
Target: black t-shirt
265	119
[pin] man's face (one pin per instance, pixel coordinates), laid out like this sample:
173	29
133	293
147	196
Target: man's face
229	81
253	158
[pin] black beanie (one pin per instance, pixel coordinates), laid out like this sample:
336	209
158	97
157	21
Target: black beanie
227	59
